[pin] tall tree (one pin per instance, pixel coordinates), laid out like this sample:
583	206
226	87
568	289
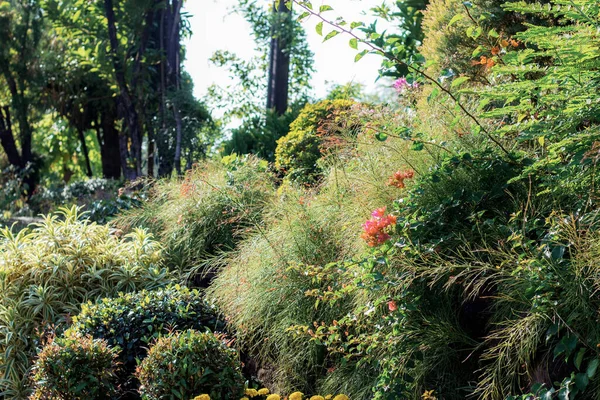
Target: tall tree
21	32
279	60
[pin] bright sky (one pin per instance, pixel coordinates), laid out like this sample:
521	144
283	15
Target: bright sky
215	27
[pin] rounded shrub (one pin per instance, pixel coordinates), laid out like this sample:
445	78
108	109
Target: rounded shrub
78	367
190	363
298	152
132	321
49	270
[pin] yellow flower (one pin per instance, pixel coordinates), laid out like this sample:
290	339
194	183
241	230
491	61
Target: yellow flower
296	396
251	392
329	397
428	395
244	398
317	398
341	397
202	397
274	397
263	391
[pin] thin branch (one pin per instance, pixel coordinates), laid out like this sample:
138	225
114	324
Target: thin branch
425	75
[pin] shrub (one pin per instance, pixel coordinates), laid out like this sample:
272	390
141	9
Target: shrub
132	321
189	363
77	368
206	212
48	270
298	152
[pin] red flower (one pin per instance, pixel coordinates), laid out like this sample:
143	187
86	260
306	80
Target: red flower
374	229
392	306
398	178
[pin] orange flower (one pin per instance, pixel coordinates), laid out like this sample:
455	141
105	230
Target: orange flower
392	306
398	178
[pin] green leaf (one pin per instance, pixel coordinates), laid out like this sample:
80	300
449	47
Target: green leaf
319	28
541	141
354	43
331	35
592	367
354	25
581	381
305	14
579	358
493	34
459	81
455	19
360	55
324	8
382	137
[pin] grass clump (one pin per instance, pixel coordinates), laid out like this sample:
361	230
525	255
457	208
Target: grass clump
206	212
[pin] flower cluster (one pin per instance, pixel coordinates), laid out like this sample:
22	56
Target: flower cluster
374	230
401	85
398	178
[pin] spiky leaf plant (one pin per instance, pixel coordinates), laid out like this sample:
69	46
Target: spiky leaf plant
50	269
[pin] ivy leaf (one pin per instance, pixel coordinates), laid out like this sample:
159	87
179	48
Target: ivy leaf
319	28
354	43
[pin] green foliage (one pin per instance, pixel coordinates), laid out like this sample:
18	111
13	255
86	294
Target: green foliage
204	213
47	271
245	98
298	152
274	269
259	135
187	364
131	322
76	368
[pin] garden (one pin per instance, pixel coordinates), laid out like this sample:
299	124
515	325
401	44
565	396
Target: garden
437	241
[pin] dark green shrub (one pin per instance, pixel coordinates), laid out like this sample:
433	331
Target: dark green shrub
132	321
75	368
188	364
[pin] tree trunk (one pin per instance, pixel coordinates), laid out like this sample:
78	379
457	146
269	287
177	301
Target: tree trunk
127	106
109	146
279	63
7	138
86	154
179	132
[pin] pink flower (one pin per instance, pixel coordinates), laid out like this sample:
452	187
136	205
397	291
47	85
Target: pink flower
374	229
402	85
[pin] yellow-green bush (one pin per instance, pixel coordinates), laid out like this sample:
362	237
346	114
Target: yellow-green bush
50	269
298	152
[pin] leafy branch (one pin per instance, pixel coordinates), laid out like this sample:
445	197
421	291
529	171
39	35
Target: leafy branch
355	39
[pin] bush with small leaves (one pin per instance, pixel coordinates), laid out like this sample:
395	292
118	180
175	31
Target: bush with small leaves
75	368
189	363
133	321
